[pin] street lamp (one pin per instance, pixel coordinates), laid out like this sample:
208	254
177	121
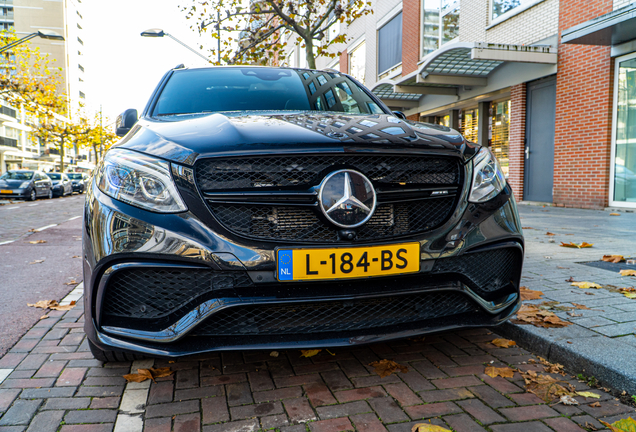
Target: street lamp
155	32
44	34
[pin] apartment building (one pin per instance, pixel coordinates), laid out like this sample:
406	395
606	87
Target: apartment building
18	148
548	85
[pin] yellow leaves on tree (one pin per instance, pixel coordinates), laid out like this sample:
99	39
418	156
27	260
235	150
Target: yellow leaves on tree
503	343
385	367
504	372
613	258
586	285
531	314
528	294
52	304
624	425
575	245
148	374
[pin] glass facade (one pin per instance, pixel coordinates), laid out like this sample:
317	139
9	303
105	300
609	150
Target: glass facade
625	142
469	124
440	24
499	144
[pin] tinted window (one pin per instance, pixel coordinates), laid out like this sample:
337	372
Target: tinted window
17	175
75	176
260	89
54	176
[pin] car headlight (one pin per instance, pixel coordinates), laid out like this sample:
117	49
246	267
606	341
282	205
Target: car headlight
488	179
25	185
139	180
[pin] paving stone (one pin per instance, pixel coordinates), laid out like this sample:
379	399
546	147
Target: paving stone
332	425
408	426
501	384
291	381
367	423
432	410
260	381
103	381
256	410
20	413
446	395
72	339
238	426
343	410
464	370
106	427
336	380
160	392
295	428
416	381
388	410
187	378
71	377
319	394
215	410
32	361
44	393
187	423
170	409
238	394
161	424
105	403
583	419
67	403
521	427
480	411
353	368
606	409
7	396
278	394
562	424
446	383
90	416
299	410
28	383
24	345
361	393
402	394
275	421
223	379
525	399
18	374
46	422
463	423
100	391
374	380
526	413
428	370
11	360
491	396
198	393
50	369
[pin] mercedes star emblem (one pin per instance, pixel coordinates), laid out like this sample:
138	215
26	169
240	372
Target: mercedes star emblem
347	198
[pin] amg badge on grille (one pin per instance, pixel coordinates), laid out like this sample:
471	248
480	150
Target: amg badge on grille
347	198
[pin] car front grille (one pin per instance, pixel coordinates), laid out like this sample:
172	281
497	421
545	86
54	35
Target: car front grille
334	316
285	208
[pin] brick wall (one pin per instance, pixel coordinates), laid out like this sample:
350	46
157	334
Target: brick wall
583	113
344	61
539	22
410	35
517	136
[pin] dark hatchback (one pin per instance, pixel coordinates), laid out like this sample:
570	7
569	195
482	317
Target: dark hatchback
252	208
27	184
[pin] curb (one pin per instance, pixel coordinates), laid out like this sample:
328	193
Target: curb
581	351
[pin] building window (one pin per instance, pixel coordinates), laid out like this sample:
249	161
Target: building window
80	41
500	118
357	62
440	24
469	124
390	44
624	151
82	95
505	8
80	67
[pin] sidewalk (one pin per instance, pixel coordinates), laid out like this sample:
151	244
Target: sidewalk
602	341
50	382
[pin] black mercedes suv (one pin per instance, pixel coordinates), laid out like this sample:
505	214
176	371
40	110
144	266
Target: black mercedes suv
251	208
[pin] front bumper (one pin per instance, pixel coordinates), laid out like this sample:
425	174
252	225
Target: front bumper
119	238
17	193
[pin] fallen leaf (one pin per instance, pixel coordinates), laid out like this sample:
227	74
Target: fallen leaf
37	241
572	314
504	372
628	272
503	343
580	306
625	425
73	282
571	279
427	427
578	246
563	268
75	256
36	262
595	405
44	317
386	367
568	400
151	374
161	372
531	314
588	394
273	354
171	361
544	386
527	228
309	353
586	285
550	234
52	304
615	214
590	426
613	258
528	294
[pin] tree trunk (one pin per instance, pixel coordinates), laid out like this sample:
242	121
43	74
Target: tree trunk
309	53
96	153
61	154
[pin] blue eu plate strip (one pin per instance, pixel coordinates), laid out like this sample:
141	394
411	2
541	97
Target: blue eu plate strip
285	265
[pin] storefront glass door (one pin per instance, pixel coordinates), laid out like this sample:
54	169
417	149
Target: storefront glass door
623	191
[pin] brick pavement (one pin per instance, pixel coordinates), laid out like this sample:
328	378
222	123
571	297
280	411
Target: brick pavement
52	383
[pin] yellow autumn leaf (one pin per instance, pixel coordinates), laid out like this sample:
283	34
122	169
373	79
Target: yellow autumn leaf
630	295
427	427
503	343
586	285
588	394
309	353
613	258
615	214
624	425
578	246
504	372
628	272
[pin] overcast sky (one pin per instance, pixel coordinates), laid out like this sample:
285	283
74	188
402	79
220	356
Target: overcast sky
123	68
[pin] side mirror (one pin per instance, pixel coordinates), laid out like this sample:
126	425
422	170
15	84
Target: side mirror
399	114
125	121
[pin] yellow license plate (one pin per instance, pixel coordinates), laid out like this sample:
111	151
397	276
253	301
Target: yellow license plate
6	191
347	262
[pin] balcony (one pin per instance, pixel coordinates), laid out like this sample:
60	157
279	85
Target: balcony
9	142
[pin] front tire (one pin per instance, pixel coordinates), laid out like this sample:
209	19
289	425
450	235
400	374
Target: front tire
32	195
112	356
50	195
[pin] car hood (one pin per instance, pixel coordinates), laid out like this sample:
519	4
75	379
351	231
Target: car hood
184	139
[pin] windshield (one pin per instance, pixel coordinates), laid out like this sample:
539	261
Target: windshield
17	175
75	176
54	176
261	89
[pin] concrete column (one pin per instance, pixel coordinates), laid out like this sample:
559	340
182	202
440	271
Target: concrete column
3	165
454	119
483	134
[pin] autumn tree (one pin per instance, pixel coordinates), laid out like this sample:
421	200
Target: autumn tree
95	136
266	26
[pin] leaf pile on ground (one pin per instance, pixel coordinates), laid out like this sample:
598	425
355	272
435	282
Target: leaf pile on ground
624	425
531	314
628	272
577	246
613	258
52	304
586	285
630	292
385	367
545	387
528	294
145	374
547	366
504	372
503	343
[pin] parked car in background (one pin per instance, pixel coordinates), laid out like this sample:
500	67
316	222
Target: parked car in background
270	208
26	184
79	181
62	185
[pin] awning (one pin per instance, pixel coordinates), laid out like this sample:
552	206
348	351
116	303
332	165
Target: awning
454	65
613	28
